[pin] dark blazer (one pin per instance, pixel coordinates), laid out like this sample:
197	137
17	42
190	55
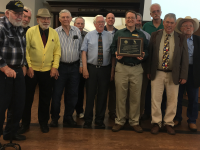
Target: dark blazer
180	56
196	60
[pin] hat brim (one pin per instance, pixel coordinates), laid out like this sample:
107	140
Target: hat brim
43	16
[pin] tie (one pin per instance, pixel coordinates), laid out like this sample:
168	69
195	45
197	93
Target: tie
44	39
100	50
165	58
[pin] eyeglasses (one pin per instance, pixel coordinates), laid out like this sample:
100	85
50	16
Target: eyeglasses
158	11
100	22
186	26
45	18
130	18
17	14
67	17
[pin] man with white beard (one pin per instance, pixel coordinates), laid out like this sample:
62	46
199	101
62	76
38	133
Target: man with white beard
26	18
12	70
42	54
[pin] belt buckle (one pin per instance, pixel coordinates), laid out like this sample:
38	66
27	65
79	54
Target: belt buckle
98	66
132	64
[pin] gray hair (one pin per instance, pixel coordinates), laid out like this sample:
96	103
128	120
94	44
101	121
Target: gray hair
138	14
170	15
155	4
28	9
65	11
79	18
95	18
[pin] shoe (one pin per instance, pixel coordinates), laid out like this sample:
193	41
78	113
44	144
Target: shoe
170	130
17	137
44	128
145	117
69	123
81	115
54	123
23	129
192	127
112	116
117	127
137	128
100	124
177	123
155	129
87	124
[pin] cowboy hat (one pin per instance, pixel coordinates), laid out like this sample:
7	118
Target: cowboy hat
180	21
43	12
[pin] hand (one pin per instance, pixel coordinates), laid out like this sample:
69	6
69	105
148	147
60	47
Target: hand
149	76
30	72
54	73
24	70
140	58
182	81
80	70
118	57
112	74
85	74
8	72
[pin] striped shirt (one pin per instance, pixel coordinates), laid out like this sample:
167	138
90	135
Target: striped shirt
12	44
70	45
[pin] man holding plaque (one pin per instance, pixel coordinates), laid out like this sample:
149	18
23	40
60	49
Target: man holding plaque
128	71
167	68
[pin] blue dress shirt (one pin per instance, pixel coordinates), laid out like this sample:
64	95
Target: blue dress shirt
190	49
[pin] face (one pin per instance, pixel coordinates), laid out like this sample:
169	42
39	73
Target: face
138	24
44	22
65	19
130	19
187	28
169	25
79	24
26	19
155	12
110	19
99	24
15	18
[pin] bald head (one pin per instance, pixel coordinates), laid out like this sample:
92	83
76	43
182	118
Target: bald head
110	19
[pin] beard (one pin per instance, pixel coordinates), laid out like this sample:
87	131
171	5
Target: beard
44	26
25	24
17	22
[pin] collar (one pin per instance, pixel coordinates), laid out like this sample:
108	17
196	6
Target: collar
105	28
98	32
61	28
191	38
171	34
45	31
152	22
136	30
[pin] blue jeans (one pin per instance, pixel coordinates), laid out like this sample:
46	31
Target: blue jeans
69	79
192	110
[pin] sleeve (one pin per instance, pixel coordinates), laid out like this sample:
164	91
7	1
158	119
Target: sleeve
28	42
56	52
150	50
84	46
2	37
79	48
113	46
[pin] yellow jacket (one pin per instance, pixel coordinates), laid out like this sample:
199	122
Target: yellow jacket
38	57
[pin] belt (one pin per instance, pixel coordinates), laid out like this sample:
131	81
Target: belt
14	66
129	64
70	63
164	70
97	66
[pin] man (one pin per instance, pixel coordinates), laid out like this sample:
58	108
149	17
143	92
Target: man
70	41
96	58
150	27
79	22
128	76
26	18
12	69
167	67
43	55
110	20
187	26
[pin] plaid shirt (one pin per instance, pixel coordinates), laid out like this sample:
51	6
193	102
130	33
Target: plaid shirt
12	44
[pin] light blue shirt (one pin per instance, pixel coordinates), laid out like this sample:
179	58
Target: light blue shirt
190	49
148	36
90	45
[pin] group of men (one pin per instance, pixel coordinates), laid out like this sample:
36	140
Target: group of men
67	58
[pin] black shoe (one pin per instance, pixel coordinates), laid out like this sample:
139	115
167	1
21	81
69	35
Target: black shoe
23	129
54	123
87	124
100	124
17	137
44	128
69	123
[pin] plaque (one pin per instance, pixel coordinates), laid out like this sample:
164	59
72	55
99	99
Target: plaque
130	46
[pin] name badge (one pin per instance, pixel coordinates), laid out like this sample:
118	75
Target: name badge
134	34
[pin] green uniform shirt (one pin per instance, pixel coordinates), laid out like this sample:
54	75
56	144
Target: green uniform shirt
126	33
149	27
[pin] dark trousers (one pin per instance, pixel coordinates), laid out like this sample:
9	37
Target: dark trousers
69	79
44	81
98	82
12	97
112	98
192	110
79	105
147	109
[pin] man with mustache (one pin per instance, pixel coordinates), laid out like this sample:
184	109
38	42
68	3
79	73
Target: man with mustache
42	55
26	18
79	22
96	56
12	69
187	26
69	76
167	68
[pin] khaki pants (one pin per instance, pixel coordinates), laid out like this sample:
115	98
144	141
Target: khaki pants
163	79
127	77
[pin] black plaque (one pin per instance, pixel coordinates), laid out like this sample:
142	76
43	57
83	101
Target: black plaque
130	46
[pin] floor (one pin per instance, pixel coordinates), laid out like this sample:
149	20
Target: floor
63	138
